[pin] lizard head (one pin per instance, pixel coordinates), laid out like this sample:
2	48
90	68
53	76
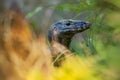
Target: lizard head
70	26
64	30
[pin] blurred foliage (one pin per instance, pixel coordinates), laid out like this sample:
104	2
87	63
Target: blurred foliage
31	14
103	38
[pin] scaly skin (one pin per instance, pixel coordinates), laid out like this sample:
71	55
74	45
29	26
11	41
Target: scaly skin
63	31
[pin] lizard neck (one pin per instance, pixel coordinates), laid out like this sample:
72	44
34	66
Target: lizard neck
64	39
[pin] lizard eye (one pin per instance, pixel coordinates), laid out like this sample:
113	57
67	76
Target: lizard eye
69	23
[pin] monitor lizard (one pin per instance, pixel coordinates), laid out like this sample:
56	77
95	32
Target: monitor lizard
60	35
